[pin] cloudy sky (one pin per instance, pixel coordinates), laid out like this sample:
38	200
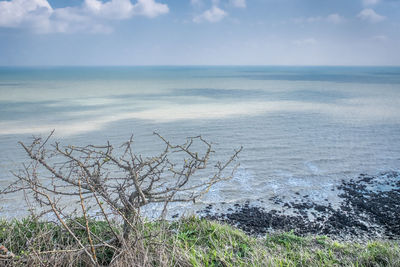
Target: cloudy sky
199	32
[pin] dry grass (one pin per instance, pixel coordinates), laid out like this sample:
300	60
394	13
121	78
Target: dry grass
188	242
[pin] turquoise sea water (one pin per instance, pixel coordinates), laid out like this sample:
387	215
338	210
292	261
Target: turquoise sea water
303	129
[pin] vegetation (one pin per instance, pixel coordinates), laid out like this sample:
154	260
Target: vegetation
114	184
86	205
187	242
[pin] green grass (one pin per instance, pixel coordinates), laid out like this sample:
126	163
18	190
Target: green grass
198	242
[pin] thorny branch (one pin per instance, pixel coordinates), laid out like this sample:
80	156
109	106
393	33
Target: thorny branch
117	182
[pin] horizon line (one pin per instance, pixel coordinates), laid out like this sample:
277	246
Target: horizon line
194	65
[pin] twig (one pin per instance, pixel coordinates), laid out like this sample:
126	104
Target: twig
86	222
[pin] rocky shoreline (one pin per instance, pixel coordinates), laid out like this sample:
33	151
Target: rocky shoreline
369	208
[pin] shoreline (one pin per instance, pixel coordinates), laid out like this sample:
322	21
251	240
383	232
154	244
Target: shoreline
362	231
369	209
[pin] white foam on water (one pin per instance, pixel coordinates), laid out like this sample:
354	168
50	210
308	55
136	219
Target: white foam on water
242	181
312	167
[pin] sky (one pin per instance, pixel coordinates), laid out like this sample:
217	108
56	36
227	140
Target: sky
199	32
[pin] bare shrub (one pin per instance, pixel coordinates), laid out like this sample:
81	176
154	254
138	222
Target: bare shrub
112	185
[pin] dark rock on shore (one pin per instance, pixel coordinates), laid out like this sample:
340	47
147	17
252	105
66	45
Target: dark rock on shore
369	208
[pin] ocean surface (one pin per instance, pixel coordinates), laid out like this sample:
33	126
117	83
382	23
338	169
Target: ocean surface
303	129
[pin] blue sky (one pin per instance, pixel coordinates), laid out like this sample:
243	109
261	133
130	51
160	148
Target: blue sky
199	32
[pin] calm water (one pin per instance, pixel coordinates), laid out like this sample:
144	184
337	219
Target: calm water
303	129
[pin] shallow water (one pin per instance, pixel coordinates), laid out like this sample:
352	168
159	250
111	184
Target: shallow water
303	129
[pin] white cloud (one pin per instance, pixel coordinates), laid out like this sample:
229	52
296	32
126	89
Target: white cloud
150	8
305	42
314	19
16	12
196	2
39	16
117	9
124	9
335	18
307	20
69	20
214	14
332	18
238	3
370	2
368	14
380	38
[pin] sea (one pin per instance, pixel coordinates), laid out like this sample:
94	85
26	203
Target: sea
303	129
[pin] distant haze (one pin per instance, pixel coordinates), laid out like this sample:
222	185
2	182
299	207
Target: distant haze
199	32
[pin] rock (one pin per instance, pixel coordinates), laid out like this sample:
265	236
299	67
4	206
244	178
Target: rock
359	210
